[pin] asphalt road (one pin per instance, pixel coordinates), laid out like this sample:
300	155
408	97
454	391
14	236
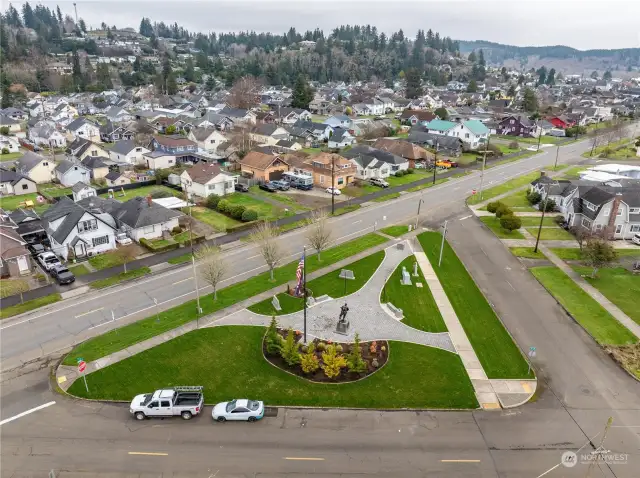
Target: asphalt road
580	389
43	331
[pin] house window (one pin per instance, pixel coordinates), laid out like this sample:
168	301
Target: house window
170	161
634	210
149	229
466	135
586	223
321	179
90	225
512	122
340	181
25	187
98	241
45	163
634	228
211	187
619	213
590	206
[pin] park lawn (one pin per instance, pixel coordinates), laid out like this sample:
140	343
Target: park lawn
123	337
619	285
427	185
395	231
6	312
387	197
231	364
264	209
106	260
601	325
216	220
11	203
142	192
496	350
534	221
551	234
328	284
493	223
418	305
79	270
12	286
575	254
527	253
417	175
123	276
515	183
361	189
11	156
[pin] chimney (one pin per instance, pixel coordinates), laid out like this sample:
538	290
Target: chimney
611	225
149	200
542	173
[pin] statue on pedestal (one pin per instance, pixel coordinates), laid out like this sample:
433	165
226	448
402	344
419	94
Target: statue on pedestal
343	323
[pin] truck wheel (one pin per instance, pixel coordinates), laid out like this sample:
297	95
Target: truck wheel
140	416
186	415
222	419
252	419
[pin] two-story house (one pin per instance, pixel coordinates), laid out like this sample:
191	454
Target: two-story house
127	152
44	133
472	133
325	166
69	173
83	128
81	148
174	144
208	139
110	133
518	126
269	134
36	167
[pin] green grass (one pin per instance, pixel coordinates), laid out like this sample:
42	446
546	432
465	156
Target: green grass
526	252
611	146
142	192
573	172
575	254
506	149
230	364
180	259
293	225
418	305
498	354
329	284
551	234
467	158
265	210
12	286
395	231
387	197
311	150
543	140
417	175
287	201
79	270
493	223
11	203
106	260
583	308
123	276
362	189
217	221
619	285
347	209
628	152
533	221
517	201
515	183
6	312
11	156
427	185
123	337
54	191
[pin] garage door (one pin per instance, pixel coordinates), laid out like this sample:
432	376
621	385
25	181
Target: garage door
275	175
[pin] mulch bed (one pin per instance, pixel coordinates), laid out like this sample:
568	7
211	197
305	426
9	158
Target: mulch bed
381	354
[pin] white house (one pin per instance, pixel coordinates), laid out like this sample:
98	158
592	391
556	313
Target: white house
127	152
117	115
82	191
341	138
204	179
269	134
69	173
83	128
338	121
10	144
15	183
36	167
472	133
159	160
207	138
76	227
142	218
369	167
45	133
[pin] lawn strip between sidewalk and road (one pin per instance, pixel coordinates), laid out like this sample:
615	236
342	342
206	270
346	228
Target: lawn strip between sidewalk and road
329	284
123	276
144	329
395	231
493	223
527	253
230	362
601	325
496	350
7	312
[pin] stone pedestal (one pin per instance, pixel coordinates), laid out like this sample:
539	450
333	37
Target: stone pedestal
342	327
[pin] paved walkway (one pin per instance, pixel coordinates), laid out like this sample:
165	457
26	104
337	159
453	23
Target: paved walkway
480	213
366	316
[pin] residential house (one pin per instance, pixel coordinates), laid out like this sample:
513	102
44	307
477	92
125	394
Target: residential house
319	131
472	133
369	167
369	106
127	152
45	133
446	145
83	128
213	120
204	179
291	115
69	173
395	162
142	218
14	113
82	191
175	144
116	178
268	134
263	167
96	165
518	126
36	167
9	144
414	117
110	133
159	160
338	121
413	153
208	139
341	138
29	225
116	114
13	124
14	257
79	229
238	115
324	166
81	148
13	183
286	144
562	121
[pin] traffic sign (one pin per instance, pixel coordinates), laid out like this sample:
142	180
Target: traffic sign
82	366
473	191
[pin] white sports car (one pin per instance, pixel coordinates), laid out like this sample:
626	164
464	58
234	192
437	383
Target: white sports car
239	409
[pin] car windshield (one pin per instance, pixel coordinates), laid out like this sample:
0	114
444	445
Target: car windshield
253	405
61	270
51	259
231	405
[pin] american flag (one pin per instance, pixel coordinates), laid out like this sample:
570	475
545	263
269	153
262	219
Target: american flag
300	275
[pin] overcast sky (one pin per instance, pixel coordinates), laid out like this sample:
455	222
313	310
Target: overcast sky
582	24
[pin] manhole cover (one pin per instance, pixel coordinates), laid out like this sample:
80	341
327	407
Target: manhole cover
585	390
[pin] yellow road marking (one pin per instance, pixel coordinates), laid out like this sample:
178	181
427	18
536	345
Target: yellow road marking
62	379
90	312
460	461
302	458
526	386
145	453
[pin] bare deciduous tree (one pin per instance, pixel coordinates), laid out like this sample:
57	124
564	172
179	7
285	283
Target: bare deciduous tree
320	231
265	236
126	254
212	266
595	141
244	92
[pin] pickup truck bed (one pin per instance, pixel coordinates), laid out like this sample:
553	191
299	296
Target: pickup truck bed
188	399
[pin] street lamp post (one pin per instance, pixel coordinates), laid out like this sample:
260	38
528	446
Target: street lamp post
193	262
555	165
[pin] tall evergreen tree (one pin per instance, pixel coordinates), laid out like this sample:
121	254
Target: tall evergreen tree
414	88
189	72
481	61
28	17
302	93
530	101
78	80
59	13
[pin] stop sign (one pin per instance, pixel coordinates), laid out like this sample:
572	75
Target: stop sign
82	366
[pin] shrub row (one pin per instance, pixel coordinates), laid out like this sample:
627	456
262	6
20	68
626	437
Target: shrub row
508	220
401	173
154	248
235	211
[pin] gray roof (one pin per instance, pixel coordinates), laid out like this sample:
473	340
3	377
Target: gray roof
5	120
78	123
7	176
70	211
93	162
367	161
65	165
202	133
113	175
233	112
79	186
380	155
123	147
28	161
137	212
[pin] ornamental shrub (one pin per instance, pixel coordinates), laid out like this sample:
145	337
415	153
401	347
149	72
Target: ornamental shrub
249	215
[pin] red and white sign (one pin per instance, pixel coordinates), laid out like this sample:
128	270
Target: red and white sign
474	192
82	366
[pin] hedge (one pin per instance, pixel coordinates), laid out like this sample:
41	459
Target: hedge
153	248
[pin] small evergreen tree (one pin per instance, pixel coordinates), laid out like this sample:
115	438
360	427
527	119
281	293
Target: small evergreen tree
355	362
308	361
510	222
290	352
272	339
332	362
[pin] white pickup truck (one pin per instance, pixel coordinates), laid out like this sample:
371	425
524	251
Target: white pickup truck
168	402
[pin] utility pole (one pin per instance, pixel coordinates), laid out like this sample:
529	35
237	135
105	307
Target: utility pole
435	160
420	201
544	209
193	261
555	165
539	136
333	184
484	162
444	234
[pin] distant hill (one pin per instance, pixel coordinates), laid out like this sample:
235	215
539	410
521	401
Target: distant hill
561	57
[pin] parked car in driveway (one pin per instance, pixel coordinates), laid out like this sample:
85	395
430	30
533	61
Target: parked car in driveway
379	182
48	260
239	409
177	401
36	249
636	239
241	188
123	239
62	275
268	187
281	185
334	191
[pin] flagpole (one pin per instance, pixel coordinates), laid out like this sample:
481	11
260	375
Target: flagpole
304	288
